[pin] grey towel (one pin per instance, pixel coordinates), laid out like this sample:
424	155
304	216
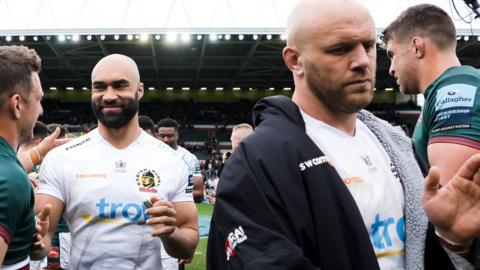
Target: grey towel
399	148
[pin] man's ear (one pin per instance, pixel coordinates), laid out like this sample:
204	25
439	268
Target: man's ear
15	106
140	90
418	47
293	60
37	140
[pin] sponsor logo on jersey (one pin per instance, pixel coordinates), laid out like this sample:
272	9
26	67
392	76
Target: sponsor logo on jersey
116	213
120	166
368	162
189	188
383	231
312	162
234	238
455	95
70	147
53	252
148	180
353	180
83	176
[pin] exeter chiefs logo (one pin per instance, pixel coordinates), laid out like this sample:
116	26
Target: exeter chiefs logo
148	180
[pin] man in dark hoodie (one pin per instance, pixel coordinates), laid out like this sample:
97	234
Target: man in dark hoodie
322	184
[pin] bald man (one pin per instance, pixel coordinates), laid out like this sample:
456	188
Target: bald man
323	184
123	193
239	133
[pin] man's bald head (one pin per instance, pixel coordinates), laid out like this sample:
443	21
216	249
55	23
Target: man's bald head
311	16
116	91
118	64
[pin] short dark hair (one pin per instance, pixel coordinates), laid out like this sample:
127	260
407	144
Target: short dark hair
168	122
63	129
423	20
146	122
16	66
40	130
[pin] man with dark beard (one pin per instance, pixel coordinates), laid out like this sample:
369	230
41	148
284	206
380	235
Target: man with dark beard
117	219
323	184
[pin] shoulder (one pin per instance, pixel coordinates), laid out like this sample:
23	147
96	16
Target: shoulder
11	171
187	153
159	150
13	179
461	72
460	80
156	146
76	145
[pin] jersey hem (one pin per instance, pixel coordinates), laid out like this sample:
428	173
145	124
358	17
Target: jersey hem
51	193
5	233
455	140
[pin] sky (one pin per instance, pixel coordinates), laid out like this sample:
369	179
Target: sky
27	17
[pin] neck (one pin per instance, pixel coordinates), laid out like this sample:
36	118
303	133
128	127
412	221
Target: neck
24	147
435	66
122	137
312	106
9	133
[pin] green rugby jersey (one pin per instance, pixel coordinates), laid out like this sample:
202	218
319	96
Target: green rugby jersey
17	217
451	113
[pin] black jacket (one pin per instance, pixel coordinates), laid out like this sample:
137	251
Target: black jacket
281	206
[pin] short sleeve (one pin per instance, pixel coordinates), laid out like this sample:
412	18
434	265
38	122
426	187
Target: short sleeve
183	184
453	116
50	181
197	171
12	200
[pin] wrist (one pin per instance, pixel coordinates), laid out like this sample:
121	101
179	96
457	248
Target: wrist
27	161
35	156
460	248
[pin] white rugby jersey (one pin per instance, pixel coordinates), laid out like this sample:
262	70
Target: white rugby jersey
190	159
168	262
367	171
103	189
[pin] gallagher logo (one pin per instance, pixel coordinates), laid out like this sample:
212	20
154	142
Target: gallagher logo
234	238
148	180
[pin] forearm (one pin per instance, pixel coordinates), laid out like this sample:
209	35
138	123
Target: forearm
198	189
198	196
181	243
31	158
40	253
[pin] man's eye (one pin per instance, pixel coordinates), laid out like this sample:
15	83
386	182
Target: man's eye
340	50
98	86
119	85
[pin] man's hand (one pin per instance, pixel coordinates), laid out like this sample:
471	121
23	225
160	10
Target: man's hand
51	142
211	199
163	217
454	209
43	222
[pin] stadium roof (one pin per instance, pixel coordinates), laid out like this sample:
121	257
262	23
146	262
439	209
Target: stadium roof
26	17
184	44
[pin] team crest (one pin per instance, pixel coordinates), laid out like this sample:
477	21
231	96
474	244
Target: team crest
148	180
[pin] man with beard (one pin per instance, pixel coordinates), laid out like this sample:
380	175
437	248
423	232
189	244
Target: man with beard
421	43
118	220
323	184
